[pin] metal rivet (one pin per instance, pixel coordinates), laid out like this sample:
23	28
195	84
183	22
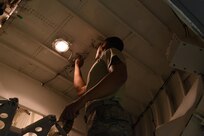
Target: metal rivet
3	115
38	129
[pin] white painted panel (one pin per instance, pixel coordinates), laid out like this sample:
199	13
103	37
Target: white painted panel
36	72
147	55
140	74
59	84
12	58
176	91
26	65
14	39
156	113
97	16
39	20
163	107
137	89
148	124
24	44
82	34
75	4
141	85
189	58
162	11
32	49
103	20
134	14
51	60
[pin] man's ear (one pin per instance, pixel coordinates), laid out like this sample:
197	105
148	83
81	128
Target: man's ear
105	46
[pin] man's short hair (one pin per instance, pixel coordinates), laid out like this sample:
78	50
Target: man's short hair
115	42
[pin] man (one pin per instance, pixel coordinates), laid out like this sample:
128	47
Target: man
101	94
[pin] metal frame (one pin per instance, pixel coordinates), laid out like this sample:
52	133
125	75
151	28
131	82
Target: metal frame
40	128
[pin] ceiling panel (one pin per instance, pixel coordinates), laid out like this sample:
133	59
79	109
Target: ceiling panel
14	39
24	44
23	63
134	14
51	60
37	72
99	18
82	34
141	81
146	54
45	18
10	57
75	4
166	16
59	84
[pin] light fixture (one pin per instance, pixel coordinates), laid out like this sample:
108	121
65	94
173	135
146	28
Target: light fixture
60	45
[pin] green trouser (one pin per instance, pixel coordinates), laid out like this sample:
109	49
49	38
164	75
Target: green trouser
109	120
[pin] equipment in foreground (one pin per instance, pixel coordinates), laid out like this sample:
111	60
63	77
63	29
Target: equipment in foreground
40	128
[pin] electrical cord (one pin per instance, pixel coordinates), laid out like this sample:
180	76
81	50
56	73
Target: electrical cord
154	98
59	73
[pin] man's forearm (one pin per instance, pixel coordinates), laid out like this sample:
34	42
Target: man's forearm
79	83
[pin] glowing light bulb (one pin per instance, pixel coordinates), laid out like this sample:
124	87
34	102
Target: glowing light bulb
61	45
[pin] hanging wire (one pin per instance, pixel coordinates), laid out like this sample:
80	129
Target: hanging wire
153	100
70	66
59	73
153	121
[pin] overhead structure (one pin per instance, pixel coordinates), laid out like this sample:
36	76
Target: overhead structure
7	8
191	13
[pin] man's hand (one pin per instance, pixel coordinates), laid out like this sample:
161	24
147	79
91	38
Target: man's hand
67	117
79	62
69	112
